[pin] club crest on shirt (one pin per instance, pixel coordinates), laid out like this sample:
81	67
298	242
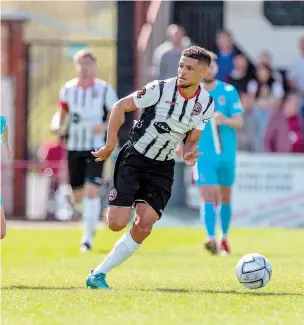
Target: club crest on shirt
222	100
75	118
197	109
113	194
152	87
141	93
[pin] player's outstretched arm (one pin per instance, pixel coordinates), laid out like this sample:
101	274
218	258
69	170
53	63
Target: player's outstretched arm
117	119
124	105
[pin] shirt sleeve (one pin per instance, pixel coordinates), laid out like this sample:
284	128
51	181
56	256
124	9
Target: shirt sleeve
147	96
110	98
63	103
206	117
235	103
3	123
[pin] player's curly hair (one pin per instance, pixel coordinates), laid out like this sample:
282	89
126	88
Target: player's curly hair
198	53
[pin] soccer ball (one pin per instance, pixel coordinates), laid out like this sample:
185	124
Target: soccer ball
253	271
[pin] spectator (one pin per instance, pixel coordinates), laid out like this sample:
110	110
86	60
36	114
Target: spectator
239	77
246	135
296	71
276	134
51	154
296	75
265	87
267	94
167	55
291	112
225	55
266	59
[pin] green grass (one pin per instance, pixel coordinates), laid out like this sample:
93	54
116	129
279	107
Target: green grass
170	281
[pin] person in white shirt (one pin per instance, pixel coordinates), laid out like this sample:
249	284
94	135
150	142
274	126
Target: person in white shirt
86	101
174	110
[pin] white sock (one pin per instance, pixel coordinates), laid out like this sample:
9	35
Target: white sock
91	214
122	250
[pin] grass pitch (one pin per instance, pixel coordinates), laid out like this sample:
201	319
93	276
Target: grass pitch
170	281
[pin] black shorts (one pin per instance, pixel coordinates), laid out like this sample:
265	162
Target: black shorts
141	179
84	169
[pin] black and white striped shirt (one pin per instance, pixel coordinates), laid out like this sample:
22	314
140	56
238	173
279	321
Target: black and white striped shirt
87	106
167	117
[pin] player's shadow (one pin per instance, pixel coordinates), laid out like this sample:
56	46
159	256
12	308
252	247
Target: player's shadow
228	292
33	287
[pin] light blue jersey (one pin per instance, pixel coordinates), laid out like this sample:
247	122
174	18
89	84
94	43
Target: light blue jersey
218	143
3	124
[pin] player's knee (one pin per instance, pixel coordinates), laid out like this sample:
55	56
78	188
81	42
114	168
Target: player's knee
115	224
92	195
225	200
209	194
143	229
92	191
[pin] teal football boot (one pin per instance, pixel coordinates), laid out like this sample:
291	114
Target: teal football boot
97	281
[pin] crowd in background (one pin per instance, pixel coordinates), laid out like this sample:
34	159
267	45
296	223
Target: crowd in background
273	100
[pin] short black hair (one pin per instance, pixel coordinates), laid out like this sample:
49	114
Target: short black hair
198	53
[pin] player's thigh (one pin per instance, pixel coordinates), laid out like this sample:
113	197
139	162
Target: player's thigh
206	173
226	173
209	193
118	217
76	166
126	180
156	187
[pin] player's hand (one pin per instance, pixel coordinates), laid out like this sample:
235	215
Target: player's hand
102	154
219	118
10	152
191	157
99	128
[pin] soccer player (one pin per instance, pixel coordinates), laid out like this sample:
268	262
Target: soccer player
4	131
174	110
86	101
215	169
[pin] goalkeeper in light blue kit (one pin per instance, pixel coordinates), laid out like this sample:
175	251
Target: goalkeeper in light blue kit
215	169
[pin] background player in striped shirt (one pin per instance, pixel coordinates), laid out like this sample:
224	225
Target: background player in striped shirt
215	169
4	131
86	101
174	110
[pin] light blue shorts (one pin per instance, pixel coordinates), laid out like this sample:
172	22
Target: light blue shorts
216	171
